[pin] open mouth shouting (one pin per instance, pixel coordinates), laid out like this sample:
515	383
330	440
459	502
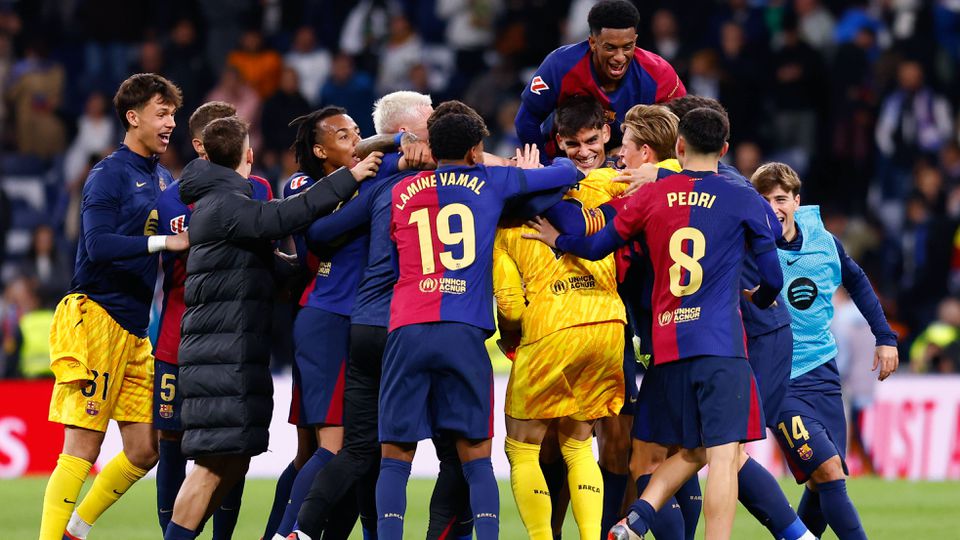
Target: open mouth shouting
165	138
617	70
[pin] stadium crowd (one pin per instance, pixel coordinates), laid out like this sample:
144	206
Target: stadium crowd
870	92
851	97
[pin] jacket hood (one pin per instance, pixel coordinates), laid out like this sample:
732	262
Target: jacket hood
201	177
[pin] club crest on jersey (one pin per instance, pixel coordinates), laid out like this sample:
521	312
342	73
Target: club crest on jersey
537	85
93	407
805	452
178	224
166	410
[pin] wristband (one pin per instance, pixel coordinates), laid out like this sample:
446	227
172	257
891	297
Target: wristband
155	243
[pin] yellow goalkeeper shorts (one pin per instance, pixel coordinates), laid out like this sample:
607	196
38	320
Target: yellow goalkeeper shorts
102	370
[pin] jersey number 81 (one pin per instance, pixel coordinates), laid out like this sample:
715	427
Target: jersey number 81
466	236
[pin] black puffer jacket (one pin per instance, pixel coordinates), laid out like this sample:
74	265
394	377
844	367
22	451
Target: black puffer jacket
225	348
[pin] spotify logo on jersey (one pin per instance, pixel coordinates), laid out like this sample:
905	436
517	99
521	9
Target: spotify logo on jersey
801	293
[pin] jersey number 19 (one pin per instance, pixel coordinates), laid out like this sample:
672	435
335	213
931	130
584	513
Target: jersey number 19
466	236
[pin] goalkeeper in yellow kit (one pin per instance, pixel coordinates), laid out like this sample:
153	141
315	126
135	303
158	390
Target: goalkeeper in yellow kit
569	362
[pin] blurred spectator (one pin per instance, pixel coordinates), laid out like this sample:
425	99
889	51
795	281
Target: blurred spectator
149	58
855	353
282	107
493	90
234	90
258	65
505	141
6	64
750	17
36	90
224	21
18	299
365	30
352	90
108	47
402	51
937	348
186	65
311	63
816	25
704	77
950	164
96	134
48	266
928	184
469	31
665	38
575	27
4	226
797	92
747	157
915	122
743	86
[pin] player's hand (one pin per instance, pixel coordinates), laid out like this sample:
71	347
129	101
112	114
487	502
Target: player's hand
528	157
748	293
887	359
368	167
416	152
286	257
637	178
178	242
545	231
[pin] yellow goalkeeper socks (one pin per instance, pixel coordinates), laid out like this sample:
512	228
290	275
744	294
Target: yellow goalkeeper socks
112	482
529	488
586	485
61	495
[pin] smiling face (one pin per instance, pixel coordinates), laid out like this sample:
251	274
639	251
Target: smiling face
152	125
613	50
634	153
337	139
585	148
784	204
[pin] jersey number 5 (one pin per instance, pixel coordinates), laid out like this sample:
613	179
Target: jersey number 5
466	236
689	262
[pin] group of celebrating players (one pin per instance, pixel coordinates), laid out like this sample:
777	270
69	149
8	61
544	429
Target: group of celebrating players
674	261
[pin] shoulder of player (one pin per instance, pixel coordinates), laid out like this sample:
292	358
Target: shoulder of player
264	187
566	55
297	183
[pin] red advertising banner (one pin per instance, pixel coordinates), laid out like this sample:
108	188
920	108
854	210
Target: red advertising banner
29	444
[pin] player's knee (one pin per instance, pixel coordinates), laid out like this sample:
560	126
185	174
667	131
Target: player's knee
828	471
645	458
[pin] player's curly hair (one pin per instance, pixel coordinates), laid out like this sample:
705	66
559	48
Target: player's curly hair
612	14
704	130
307	137
455	106
578	112
653	125
453	135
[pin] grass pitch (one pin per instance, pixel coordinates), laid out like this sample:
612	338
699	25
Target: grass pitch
889	510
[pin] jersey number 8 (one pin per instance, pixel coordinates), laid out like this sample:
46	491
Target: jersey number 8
689	262
466	236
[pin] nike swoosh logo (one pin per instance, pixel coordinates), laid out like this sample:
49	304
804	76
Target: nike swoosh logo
141	184
119	492
162	511
68	501
790	263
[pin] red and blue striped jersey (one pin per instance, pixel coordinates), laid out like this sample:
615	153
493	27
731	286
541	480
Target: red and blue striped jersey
696	226
174	218
443	223
568	71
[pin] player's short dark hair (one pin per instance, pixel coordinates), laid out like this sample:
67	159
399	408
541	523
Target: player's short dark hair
455	106
206	113
704	130
613	14
578	112
135	92
682	105
223	140
453	135
307	131
770	176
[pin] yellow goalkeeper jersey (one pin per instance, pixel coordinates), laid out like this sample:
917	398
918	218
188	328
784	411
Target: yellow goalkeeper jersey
547	291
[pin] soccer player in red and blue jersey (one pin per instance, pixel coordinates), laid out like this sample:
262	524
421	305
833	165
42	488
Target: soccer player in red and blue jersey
173	218
437	375
608	66
695	224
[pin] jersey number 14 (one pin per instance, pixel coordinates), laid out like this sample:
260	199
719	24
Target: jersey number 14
467	236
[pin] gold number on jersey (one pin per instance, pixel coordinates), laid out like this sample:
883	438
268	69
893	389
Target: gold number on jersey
799	430
168	389
683	261
466	236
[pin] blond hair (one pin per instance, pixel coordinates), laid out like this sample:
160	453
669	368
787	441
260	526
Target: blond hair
395	109
773	175
654	126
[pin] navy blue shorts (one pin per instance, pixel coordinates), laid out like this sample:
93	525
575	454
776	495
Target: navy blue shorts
771	356
296	401
629	376
812	426
166	396
708	401
650	402
436	377
321	341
